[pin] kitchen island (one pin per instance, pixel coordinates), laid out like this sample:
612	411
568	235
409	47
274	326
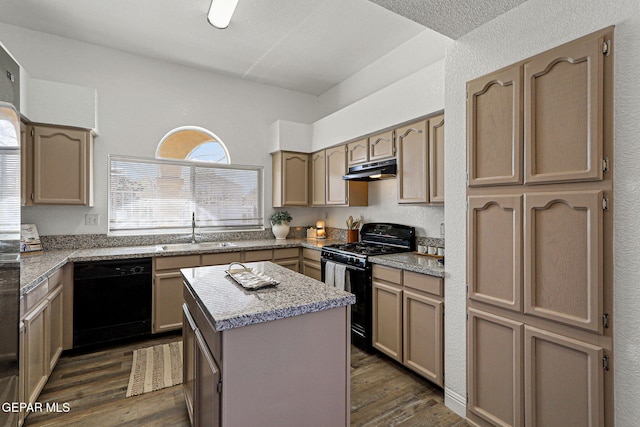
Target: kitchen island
270	357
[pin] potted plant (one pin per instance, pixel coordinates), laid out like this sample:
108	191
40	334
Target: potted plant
280	221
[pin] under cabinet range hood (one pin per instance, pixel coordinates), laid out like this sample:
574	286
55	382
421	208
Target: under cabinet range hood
373	171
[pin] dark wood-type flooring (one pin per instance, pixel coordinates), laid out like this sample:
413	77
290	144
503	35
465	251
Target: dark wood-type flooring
383	393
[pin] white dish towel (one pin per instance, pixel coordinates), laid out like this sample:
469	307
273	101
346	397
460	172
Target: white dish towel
329	273
340	276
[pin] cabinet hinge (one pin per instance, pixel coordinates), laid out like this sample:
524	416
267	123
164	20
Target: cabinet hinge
605	165
605	320
467	205
605	203
605	362
467	178
33	132
10	76
219	387
467	95
32	197
606	47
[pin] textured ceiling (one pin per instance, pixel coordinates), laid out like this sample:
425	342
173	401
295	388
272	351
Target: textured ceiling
303	45
453	18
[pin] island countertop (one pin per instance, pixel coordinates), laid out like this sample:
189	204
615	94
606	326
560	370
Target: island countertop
227	305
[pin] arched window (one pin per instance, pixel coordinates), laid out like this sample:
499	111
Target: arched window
193	143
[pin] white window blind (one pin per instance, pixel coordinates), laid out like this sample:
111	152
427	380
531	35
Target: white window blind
151	196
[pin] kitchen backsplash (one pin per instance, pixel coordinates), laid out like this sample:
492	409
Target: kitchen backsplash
76	241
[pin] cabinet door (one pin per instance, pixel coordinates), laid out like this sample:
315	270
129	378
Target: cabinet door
436	159
563	380
563	257
37	351
207	378
188	358
167	301
494	251
423	339
291	264
412	163
495	369
61	166
336	168
563	113
318	178
295	179
311	269
387	319
382	146
357	152
494	128
55	326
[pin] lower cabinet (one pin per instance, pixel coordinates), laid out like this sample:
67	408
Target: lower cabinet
311	265
167	280
408	325
188	359
206	411
520	375
41	338
36	350
167	286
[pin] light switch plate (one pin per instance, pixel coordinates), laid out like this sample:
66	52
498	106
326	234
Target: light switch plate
92	219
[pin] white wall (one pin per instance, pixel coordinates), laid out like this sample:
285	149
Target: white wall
140	100
426	48
531	28
418	94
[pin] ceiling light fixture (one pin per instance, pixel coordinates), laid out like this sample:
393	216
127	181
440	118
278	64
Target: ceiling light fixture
220	12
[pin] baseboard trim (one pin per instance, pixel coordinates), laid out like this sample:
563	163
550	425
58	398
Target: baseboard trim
456	402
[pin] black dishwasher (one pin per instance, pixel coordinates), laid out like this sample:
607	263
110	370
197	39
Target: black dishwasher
111	300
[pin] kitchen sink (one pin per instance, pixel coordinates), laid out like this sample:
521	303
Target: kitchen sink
194	246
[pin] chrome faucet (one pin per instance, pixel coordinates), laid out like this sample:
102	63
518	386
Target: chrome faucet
193	227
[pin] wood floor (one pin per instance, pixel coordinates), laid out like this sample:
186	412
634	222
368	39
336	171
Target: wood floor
383	393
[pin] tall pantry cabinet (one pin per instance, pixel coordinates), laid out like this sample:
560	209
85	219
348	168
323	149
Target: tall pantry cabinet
539	239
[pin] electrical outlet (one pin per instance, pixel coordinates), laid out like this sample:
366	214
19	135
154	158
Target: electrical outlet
326	215
442	230
92	219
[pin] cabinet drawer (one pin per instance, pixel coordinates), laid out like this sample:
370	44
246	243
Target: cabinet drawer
34	297
55	279
423	282
220	259
311	254
286	253
186	261
387	274
264	255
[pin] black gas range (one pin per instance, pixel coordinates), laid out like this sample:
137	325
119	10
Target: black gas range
353	258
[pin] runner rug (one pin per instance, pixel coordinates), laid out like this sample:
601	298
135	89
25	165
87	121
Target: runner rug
155	368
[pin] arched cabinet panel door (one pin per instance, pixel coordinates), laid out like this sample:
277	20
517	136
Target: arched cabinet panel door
563	113
495	250
494	128
563	257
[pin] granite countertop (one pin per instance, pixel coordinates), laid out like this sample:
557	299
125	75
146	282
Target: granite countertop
35	268
227	305
411	262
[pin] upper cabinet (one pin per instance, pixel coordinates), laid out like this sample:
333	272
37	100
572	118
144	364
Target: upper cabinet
563	107
494	128
544	116
358	152
413	164
290	172
436	159
339	191
382	146
59	166
318	181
